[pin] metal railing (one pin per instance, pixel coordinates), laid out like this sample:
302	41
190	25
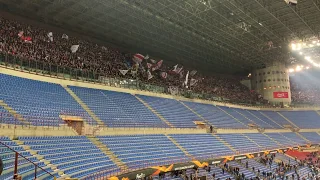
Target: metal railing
29	168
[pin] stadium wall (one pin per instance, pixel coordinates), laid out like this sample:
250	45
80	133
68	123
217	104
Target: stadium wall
14	131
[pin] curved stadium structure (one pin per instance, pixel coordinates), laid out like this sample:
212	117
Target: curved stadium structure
72	107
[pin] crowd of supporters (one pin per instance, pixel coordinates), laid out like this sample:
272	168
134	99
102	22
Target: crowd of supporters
105	61
305	87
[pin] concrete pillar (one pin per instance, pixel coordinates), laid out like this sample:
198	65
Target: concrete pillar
272	83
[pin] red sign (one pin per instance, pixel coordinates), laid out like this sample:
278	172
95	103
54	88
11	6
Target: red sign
280	95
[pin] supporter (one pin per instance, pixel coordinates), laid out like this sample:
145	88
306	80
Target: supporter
104	61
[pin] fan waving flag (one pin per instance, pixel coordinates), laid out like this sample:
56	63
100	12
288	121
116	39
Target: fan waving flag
149	65
50	36
193	82
123	72
74	48
157	66
193	72
186	81
64	36
20	34
138	58
164	75
149	75
26	39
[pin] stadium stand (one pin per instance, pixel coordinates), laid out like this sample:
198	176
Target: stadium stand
192	142
118	109
262	140
172	110
39	103
139	151
75	156
303	119
214	115
276	117
313	137
7	118
25	168
261	116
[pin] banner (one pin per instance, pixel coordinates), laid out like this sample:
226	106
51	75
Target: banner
123	72
74	48
50	36
280	95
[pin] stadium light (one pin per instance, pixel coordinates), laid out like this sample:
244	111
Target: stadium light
307	67
293	46
300	53
291	70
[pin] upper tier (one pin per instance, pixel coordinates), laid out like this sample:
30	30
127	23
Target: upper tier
42	104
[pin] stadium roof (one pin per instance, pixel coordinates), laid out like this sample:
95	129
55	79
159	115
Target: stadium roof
216	35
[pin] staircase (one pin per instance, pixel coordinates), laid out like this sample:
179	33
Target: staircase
271	119
272	139
13	112
179	146
207	122
309	142
247	118
108	152
41	158
154	111
224	142
288	120
232	116
84	106
259	118
251	140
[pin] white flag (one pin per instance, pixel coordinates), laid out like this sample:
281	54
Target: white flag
50	36
123	72
193	72
74	48
64	36
193	82
186	81
149	75
146	57
134	72
20	34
